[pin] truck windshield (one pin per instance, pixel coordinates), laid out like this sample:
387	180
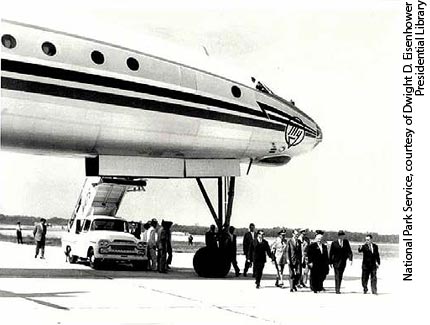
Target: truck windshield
110	225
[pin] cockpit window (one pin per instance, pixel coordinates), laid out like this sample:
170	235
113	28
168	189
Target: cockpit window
261	86
110	225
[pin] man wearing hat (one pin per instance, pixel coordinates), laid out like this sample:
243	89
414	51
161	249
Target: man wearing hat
318	262
39	234
340	251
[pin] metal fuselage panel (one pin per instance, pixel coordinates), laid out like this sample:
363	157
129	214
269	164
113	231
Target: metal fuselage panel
67	104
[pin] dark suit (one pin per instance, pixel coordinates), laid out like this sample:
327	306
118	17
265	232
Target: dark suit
319	269
337	257
294	255
259	251
371	261
232	250
211	240
247	250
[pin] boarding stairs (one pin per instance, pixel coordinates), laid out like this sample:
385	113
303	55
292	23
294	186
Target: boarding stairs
103	195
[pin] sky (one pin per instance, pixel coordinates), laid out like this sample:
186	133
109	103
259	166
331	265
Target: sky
338	61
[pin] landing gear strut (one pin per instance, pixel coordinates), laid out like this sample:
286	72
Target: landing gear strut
215	262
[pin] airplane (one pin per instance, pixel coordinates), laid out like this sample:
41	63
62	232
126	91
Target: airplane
135	115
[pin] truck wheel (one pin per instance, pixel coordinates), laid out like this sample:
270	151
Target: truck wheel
140	265
95	263
73	259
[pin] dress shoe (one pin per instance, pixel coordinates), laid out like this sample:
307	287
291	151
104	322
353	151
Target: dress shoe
257	286
237	274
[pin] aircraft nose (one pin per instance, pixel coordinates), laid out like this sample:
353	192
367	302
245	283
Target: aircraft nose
319	136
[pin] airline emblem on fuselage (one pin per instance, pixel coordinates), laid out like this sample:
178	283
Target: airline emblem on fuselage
294	133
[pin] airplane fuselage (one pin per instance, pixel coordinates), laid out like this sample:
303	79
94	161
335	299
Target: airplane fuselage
64	94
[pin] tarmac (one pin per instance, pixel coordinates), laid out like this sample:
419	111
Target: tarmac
52	291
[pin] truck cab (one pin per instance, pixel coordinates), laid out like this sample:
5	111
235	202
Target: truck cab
100	239
95	234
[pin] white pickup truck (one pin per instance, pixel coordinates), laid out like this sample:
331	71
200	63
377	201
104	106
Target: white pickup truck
99	239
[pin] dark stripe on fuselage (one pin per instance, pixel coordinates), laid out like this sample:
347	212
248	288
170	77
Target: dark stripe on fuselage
132	102
268	108
86	78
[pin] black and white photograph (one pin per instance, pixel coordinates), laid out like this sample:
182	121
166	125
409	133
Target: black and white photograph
207	162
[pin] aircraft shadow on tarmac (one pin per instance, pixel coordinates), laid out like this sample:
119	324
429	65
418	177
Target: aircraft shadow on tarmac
124	271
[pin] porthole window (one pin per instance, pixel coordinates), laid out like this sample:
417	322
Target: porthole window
49	49
133	64
235	90
8	41
97	57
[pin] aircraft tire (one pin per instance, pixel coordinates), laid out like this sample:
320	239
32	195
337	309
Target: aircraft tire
211	263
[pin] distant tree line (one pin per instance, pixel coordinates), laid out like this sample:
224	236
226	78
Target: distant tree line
30	221
273	232
199	230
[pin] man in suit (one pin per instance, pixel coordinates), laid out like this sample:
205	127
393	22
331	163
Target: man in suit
39	234
260	249
294	256
211	238
304	240
340	251
371	262
248	240
318	262
231	246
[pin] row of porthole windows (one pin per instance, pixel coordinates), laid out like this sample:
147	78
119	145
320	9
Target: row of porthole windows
49	49
97	57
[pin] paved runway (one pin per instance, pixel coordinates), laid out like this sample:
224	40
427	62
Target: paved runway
52	291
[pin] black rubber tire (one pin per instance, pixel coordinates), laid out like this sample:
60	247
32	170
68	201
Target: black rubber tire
211	263
140	265
73	259
95	263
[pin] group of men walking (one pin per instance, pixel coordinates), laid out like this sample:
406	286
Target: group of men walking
306	259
